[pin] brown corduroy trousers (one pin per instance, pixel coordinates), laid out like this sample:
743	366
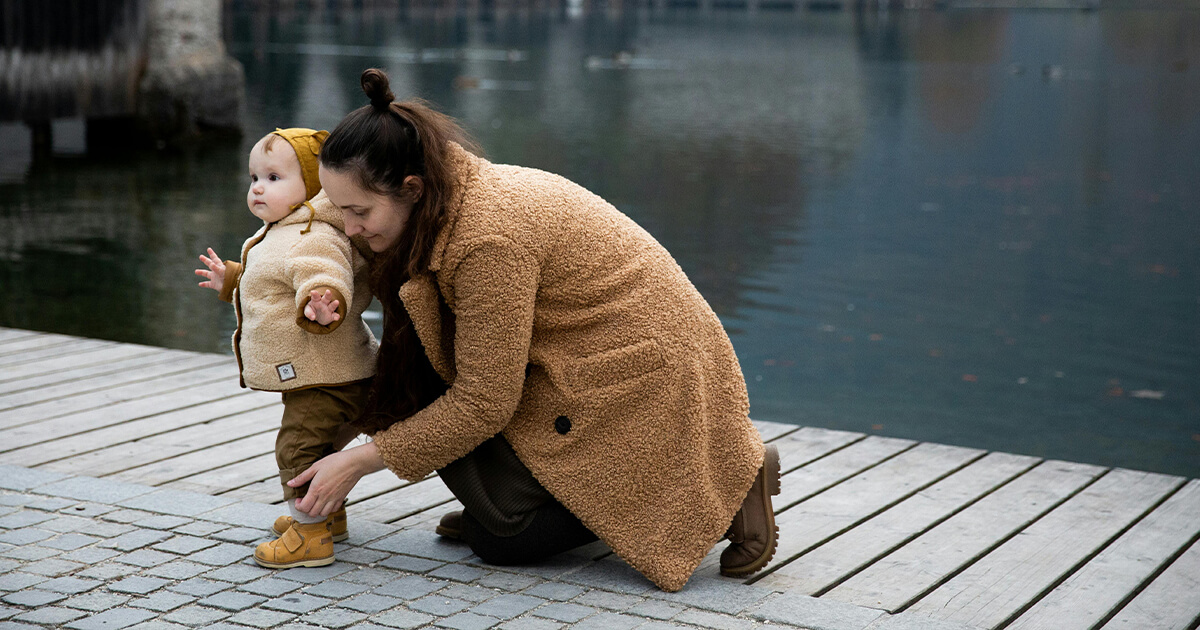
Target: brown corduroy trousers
312	418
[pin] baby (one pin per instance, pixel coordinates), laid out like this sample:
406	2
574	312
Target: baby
299	294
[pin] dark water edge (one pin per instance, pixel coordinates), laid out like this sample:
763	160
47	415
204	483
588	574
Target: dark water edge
974	228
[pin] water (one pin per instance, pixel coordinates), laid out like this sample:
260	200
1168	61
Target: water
975	228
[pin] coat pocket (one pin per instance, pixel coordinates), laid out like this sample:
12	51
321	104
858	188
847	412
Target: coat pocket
613	367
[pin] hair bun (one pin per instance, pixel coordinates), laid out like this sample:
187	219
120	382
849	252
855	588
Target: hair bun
375	86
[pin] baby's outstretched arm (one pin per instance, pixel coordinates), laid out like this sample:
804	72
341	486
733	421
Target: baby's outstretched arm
215	272
322	308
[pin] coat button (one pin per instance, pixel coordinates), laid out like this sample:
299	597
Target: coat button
562	424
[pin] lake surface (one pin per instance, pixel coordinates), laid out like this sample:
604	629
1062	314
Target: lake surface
976	228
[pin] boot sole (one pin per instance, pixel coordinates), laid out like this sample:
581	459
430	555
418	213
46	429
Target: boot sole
336	537
771	487
445	532
320	562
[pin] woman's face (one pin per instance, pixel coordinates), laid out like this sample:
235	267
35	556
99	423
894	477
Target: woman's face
379	218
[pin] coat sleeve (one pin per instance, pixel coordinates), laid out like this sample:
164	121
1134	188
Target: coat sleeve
494	288
233	274
321	260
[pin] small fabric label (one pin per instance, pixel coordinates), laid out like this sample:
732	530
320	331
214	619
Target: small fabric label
286	372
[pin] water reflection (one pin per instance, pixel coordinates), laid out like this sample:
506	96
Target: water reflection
963	227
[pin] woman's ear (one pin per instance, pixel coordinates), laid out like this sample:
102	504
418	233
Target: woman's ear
413	187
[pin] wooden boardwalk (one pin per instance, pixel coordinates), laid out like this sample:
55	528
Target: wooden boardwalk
991	540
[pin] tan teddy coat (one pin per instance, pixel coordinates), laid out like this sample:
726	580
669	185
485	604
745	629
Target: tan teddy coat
564	314
277	347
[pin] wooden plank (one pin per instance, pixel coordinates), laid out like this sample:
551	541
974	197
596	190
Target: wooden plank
824	566
14	348
1091	593
999	585
14	333
772	430
119	447
49	430
405	501
105	363
266	491
19	365
915	568
810	443
1169	602
50	366
218	479
169	470
182	378
814	477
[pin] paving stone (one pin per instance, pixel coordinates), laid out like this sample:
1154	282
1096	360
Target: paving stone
240	534
238	573
135	539
530	623
26	536
409	587
158	624
554	590
138	585
24	518
8	611
261	618
310	575
221	555
88	510
52	567
473	594
422	544
199	587
146	558
715	595
508	606
359	555
178	570
246	514
270	587
176	502
7	565
17	580
410	563
232	600
401	618
196	616
109	530
333	617
70	542
29	553
201	528
34	598
336	589
713	620
458	573
67	523
655	609
128	516
49	504
371	603
96	601
914	621
297	603
90	555
569	613
611	601
507	581
817	614
161	521
439	605
51	616
109	570
108	491
70	585
467	621
369	575
662	625
368	626
16	625
21	478
609	621
112	619
363	532
611	575
163	601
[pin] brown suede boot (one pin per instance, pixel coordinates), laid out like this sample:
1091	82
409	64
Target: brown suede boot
302	545
753	534
450	526
337	525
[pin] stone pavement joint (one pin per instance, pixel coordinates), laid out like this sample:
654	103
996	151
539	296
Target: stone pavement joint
90	554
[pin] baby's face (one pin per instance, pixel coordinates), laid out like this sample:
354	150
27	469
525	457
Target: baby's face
276	184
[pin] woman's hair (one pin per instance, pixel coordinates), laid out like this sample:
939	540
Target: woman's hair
380	145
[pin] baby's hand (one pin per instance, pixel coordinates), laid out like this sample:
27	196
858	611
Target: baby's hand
322	308
215	272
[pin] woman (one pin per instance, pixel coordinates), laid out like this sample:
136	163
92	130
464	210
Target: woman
545	354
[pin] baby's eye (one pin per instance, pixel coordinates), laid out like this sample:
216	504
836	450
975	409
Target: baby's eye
254	178
273	177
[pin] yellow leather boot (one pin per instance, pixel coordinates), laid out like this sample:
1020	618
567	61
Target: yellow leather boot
302	545
337	525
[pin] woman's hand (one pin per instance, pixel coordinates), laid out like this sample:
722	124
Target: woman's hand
333	476
215	272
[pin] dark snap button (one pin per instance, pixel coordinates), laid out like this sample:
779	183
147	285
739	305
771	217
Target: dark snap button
562	424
